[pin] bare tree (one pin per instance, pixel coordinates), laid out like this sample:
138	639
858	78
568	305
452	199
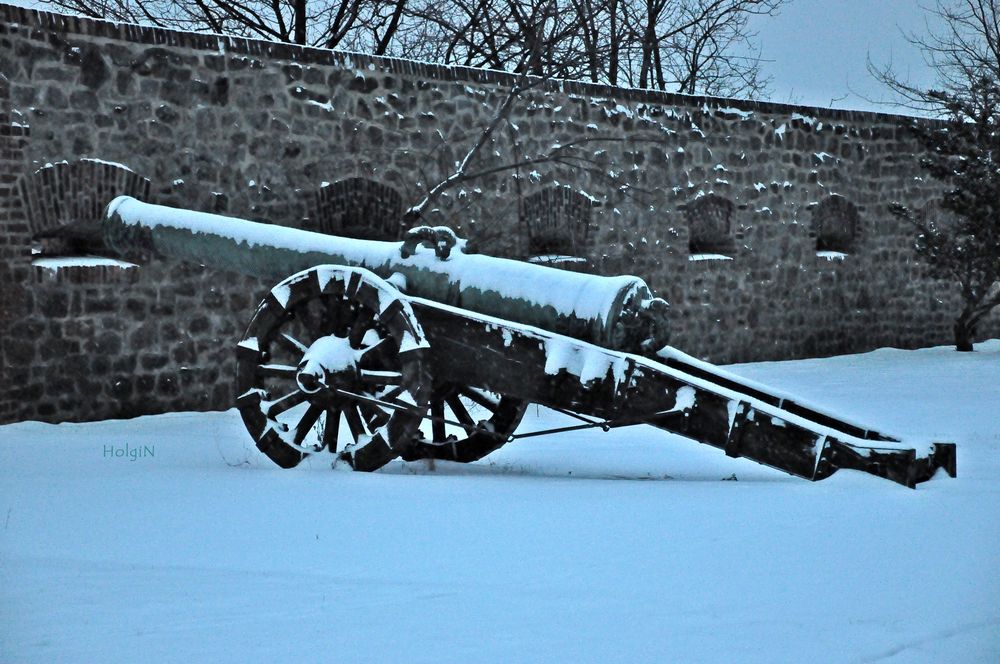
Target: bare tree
542	37
963	50
366	24
695	46
959	238
714	52
692	46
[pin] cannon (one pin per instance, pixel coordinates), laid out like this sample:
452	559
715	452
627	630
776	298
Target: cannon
361	343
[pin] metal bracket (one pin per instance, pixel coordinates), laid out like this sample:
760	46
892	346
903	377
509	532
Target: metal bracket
439	238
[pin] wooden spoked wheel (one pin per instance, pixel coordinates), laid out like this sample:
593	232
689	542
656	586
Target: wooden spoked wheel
488	419
333	361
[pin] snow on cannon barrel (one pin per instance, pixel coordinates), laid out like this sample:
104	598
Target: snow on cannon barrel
368	351
615	312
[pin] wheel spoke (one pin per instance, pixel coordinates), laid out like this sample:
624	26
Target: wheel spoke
354	421
276	370
360	326
377	356
373	377
437	425
322	315
290	400
331	429
290	343
331	321
392	394
306	422
461	413
374	415
479	398
307	321
374	346
393	309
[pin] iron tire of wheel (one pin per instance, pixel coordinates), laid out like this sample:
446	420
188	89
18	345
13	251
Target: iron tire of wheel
329	300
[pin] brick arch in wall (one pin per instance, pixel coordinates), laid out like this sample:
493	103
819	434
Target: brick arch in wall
836	223
557	220
359	208
710	225
64	193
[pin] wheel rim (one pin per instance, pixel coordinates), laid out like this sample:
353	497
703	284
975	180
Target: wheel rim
487	418
326	350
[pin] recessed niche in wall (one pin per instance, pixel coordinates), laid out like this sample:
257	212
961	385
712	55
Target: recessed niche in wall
65	193
710	228
835	222
558	221
64	202
360	208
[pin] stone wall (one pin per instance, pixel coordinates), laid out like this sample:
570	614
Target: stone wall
764	225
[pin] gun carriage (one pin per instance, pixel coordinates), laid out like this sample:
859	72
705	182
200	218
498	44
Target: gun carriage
382	336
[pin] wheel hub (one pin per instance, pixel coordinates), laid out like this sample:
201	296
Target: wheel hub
330	360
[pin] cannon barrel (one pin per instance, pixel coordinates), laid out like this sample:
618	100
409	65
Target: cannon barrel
616	312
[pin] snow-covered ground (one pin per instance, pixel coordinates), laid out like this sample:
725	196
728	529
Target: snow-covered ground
623	546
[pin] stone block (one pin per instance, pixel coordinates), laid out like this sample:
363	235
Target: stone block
100	365
214	62
199	325
54	304
84	100
19	350
153	361
122	388
108	344
166	385
145	384
94	71
125	364
143	336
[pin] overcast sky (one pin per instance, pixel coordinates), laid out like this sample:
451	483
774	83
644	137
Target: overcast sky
817	50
